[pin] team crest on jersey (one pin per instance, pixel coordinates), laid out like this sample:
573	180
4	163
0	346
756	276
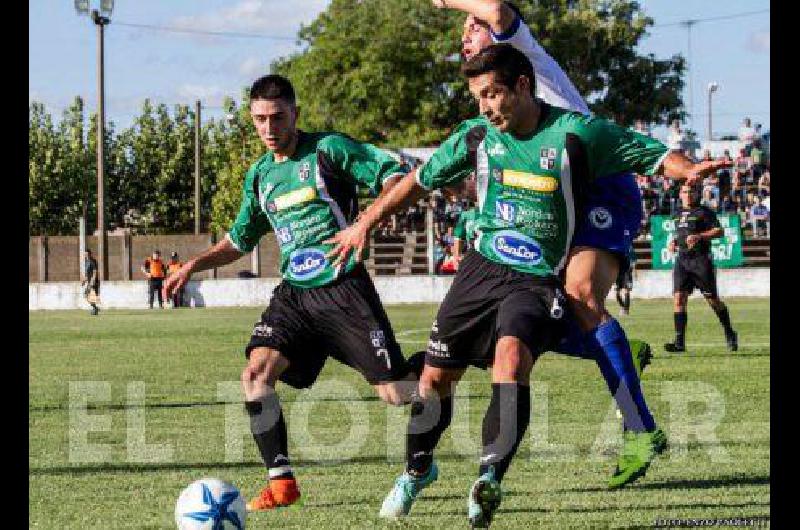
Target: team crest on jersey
497	150
600	218
378	338
547	157
304	172
271	207
497	175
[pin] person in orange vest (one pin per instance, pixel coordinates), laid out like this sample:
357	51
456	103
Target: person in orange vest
174	266
155	271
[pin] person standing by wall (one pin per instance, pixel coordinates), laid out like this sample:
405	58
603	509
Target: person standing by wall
173	267
154	269
91	282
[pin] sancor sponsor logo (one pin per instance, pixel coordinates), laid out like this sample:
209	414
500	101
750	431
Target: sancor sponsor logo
307	263
515	248
529	181
293	198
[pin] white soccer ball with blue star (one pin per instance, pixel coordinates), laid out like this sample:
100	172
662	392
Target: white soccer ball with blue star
210	504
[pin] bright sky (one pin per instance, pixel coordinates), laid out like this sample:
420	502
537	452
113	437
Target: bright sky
173	67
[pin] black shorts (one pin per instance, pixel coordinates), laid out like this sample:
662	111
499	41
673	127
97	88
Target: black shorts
344	320
488	301
691	272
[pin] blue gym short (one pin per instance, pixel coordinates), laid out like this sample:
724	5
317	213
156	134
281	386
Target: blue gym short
611	216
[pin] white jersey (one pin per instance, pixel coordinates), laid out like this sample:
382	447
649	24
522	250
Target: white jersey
552	84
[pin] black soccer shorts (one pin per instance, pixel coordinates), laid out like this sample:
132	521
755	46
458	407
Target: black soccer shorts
691	272
344	320
488	301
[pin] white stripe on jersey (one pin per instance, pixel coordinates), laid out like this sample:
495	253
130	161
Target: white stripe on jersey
569	200
552	84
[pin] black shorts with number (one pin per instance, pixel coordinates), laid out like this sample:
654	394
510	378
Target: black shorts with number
488	301
344	320
691	272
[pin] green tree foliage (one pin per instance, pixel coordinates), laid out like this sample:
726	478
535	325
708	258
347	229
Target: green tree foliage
389	68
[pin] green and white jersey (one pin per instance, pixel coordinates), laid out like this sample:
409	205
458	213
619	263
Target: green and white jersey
465	227
307	199
527	186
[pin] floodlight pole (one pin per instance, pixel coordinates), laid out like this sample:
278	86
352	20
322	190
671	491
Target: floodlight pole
102	242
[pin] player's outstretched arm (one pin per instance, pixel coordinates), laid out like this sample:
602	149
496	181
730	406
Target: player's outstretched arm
217	256
495	12
678	167
354	237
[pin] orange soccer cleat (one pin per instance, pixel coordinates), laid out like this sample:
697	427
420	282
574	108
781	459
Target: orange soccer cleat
279	493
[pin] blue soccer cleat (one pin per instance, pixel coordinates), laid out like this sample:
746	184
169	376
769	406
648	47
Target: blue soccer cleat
484	499
406	488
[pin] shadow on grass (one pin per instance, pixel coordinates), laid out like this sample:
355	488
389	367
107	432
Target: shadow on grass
132	467
720	482
192	404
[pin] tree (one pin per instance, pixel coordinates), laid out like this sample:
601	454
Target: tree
389	68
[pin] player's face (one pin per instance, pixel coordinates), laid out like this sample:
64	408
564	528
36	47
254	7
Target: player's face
275	121
686	197
475	37
498	103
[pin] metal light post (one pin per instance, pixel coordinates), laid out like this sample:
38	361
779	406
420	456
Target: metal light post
100	19
712	87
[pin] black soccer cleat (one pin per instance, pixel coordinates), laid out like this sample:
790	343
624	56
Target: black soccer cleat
674	347
733	341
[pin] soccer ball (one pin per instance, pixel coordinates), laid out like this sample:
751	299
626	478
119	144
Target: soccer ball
210	504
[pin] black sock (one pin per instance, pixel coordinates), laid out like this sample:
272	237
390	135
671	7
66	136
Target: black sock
416	363
504	426
680	326
269	432
724	319
429	419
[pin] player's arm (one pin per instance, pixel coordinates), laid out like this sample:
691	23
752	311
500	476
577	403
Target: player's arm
677	167
448	165
250	225
145	270
496	13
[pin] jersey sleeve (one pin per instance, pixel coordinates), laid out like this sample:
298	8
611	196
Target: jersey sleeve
364	163
460	230
455	158
613	149
252	222
552	84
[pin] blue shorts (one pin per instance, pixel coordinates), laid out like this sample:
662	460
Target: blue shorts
612	216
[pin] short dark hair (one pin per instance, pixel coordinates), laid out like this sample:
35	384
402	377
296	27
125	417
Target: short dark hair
88	251
515	9
272	87
504	60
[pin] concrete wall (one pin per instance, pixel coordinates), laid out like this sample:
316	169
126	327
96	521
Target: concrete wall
392	289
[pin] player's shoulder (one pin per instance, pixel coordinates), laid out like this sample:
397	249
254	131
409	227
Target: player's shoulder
260	165
478	125
330	140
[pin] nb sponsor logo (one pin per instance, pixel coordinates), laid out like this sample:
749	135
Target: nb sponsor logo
284	235
514	248
305	264
507	211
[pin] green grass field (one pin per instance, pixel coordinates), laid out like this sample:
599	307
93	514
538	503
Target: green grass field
347	447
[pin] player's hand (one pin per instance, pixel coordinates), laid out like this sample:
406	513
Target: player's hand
673	245
691	240
177	280
702	169
353	238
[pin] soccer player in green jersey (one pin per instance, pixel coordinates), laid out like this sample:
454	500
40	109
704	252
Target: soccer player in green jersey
305	187
506	304
464	234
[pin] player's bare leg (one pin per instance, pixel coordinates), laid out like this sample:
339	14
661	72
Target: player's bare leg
504	425
681	317
267	424
590	274
431	413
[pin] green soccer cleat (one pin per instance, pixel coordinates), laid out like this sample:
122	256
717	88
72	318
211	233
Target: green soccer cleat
406	488
484	499
638	451
642	355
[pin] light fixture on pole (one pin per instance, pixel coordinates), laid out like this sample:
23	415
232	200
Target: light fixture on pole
100	20
712	87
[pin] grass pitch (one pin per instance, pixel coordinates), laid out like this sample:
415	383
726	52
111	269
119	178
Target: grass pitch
127	408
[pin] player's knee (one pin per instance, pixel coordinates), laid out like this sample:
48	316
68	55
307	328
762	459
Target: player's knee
513	361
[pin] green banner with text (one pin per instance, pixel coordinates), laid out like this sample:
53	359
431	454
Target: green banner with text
726	250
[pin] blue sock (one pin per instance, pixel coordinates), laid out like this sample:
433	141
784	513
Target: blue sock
573	343
610	346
